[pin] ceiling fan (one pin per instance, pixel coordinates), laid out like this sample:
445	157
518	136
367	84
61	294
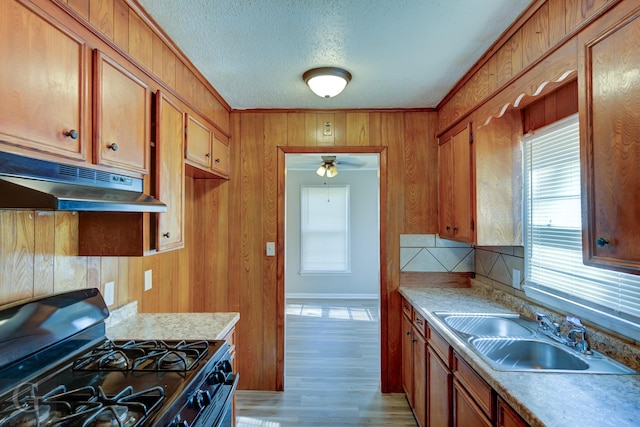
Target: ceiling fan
329	169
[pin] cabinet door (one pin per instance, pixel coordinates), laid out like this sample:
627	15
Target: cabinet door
419	378
610	100
461	186
465	411
43	83
507	417
438	391
170	170
220	163
199	142
445	190
455	209
407	359
122	116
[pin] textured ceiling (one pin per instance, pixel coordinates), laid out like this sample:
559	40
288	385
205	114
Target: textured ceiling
401	53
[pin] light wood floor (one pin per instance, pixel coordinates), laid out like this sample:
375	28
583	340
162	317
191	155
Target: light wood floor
332	372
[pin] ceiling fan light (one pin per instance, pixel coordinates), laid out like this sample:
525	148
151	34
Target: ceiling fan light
321	170
332	171
327	82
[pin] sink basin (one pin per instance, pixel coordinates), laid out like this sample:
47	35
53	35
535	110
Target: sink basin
509	342
512	354
491	325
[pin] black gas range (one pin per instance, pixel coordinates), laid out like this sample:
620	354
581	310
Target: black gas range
58	369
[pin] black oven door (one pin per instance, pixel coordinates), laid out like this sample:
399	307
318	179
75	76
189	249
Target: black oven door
221	414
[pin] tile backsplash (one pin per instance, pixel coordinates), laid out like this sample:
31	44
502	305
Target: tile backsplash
494	265
498	265
430	253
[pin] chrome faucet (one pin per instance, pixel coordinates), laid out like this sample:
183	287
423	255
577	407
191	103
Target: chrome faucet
578	329
549	328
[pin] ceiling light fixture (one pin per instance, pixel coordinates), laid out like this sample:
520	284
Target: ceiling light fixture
328	167
327	82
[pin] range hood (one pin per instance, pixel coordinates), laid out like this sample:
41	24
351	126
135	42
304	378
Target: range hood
27	183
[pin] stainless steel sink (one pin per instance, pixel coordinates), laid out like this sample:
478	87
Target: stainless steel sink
530	355
492	325
509	342
516	354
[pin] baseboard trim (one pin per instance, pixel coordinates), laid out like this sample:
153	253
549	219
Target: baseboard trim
330	296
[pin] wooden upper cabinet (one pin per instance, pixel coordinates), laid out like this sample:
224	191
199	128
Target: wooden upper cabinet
122	116
207	150
43	83
498	181
609	96
220	163
170	172
455	185
199	136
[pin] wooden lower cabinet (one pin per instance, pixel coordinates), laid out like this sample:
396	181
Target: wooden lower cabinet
507	417
443	390
438	390
420	379
466	413
407	359
414	364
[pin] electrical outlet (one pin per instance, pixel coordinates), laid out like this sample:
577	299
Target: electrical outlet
109	293
271	248
148	279
515	278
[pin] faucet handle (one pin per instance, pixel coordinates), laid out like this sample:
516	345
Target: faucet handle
574	322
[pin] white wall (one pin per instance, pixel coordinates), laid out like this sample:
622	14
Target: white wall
363	281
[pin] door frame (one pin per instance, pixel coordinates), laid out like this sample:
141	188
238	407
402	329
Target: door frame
280	242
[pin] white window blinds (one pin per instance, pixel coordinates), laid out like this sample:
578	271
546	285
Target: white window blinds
553	238
325	229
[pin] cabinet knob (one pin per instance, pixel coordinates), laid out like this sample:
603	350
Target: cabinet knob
408	332
73	134
113	147
448	228
455	229
217	160
601	241
167	235
207	155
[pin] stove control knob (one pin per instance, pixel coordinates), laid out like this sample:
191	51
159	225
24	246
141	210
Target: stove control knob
201	399
216	377
225	366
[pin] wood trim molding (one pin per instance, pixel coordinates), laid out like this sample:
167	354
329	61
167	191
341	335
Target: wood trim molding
520	21
280	242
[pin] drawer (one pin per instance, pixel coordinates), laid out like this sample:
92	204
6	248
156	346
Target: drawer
407	309
477	387
441	347
420	323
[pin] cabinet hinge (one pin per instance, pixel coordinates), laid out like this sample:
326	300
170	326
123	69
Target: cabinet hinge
185	131
473	225
470	138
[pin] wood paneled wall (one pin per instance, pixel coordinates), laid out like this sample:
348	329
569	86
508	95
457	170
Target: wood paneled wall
411	156
536	50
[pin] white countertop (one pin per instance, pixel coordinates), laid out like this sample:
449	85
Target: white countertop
542	399
127	323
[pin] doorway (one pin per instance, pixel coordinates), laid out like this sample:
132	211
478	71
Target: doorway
380	285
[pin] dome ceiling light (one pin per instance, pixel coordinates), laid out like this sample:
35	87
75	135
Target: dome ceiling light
326	82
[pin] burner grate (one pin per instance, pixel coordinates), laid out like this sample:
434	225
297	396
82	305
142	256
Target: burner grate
143	356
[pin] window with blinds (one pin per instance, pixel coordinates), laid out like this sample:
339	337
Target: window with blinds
325	229
554	272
